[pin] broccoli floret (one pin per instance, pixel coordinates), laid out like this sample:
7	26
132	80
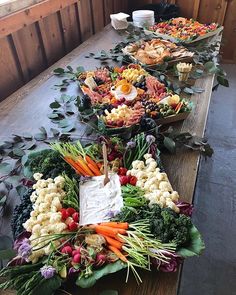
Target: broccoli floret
50	164
168	226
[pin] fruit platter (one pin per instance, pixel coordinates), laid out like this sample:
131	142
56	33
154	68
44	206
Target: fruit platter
183	30
72	227
157	51
122	97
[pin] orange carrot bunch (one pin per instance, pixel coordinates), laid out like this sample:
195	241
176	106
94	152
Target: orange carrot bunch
110	231
76	157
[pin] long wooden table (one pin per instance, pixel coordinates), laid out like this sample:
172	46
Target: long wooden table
26	110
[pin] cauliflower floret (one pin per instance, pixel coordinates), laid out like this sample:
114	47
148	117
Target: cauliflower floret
137	163
36	229
147	156
140	174
43	207
37	176
55	217
165	186
174	196
166	194
56	202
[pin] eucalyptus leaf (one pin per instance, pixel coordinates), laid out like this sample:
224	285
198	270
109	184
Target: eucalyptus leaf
18	152
55	105
27	135
197	89
59	71
40	136
222	81
53	116
188	90
169	144
5	168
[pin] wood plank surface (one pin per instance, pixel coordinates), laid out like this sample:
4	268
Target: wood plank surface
181	168
70	27
10	78
229	34
85	19
52	36
25	17
97	9
212	11
29	51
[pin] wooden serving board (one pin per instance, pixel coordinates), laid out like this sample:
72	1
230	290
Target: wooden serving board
175	40
172	118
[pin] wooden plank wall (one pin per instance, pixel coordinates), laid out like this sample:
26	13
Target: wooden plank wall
32	39
220	11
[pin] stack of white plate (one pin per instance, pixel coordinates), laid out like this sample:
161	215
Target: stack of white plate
143	18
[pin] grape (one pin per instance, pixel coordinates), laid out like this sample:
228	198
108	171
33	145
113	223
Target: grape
21	214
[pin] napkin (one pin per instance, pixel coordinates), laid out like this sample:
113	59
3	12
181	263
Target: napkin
119	20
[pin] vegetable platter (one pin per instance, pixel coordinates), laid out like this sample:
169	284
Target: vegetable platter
70	227
123	97
183	30
157	51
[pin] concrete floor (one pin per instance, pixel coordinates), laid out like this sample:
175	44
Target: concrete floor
214	273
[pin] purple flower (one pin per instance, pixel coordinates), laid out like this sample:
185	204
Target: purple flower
20	239
185	208
72	271
150	139
24	249
130	145
47	271
112	214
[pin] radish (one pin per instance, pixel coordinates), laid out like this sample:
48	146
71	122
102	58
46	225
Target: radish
100	259
76	258
67	250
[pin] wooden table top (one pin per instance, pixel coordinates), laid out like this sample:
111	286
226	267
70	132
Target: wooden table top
26	110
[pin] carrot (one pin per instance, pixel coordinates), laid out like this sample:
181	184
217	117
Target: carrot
90	161
118	253
120	225
83	165
75	165
95	170
99	164
113	242
110	230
